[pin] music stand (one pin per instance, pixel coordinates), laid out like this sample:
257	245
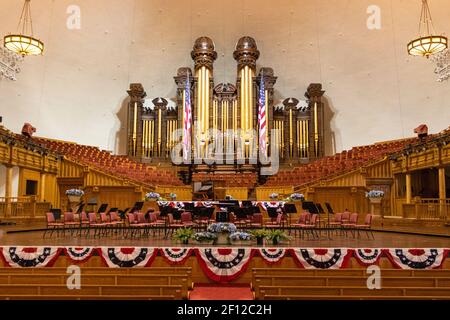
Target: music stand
56	213
138	205
290	208
272	212
122	213
329	208
102	208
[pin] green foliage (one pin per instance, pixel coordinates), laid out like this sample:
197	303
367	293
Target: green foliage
277	235
259	233
183	234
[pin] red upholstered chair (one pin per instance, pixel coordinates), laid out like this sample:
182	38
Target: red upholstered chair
310	226
257	220
186	219
70	223
303	219
350	224
278	223
367	226
52	224
171	224
94	224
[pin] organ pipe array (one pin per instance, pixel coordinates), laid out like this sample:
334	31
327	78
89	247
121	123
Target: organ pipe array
295	129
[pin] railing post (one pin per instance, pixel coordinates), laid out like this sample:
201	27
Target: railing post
33	206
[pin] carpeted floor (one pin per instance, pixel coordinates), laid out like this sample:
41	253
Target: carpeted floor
221	292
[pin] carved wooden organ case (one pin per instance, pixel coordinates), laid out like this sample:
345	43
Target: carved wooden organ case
232	109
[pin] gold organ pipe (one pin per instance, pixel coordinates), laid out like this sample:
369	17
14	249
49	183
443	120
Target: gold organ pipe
153	136
316	131
291	139
159	131
135	128
307	138
184	110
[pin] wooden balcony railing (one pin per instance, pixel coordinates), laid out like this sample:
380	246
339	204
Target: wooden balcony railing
22	207
427	209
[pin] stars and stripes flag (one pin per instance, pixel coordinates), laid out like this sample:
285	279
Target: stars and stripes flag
262	122
187	122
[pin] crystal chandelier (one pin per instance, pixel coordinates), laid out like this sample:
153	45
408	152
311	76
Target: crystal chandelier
9	64
23	42
442	60
428	42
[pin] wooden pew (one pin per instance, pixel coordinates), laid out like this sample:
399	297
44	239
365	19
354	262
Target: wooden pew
277	283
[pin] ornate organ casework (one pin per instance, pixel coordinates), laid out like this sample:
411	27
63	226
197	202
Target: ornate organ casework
225	116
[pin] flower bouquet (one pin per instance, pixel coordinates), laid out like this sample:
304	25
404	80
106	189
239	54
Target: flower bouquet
205	236
74	195
274	196
297	197
152	196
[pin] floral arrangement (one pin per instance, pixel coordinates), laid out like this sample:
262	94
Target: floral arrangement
173	196
222	227
204	236
152	195
375	194
75	192
228	197
274	196
297	196
244	236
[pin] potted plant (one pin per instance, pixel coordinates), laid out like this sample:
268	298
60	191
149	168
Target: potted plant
238	237
259	234
152	196
74	195
274	196
375	196
173	196
205	236
222	230
183	234
228	197
276	236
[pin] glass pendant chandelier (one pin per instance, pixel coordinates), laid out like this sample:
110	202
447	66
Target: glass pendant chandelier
23	42
428	42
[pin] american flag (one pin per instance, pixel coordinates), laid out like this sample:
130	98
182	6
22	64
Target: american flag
262	118
187	122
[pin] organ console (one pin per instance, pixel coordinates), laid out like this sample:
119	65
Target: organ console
225	115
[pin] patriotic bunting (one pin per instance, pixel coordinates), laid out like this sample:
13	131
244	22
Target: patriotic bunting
128	257
321	258
417	258
223	265
30	257
272	255
368	257
176	255
79	255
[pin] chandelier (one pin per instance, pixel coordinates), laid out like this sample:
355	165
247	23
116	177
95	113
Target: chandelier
23	42
428	42
442	60
9	64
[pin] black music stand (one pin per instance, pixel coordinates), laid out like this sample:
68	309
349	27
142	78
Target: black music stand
329	208
290	208
102	208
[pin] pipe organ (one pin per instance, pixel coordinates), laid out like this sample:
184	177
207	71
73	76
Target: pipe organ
225	116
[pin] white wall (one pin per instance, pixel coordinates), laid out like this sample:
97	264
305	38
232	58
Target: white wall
77	89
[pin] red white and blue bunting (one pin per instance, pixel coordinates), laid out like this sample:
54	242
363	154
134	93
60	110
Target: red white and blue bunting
176	255
128	257
321	258
223	265
79	255
367	257
272	255
417	258
30	257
